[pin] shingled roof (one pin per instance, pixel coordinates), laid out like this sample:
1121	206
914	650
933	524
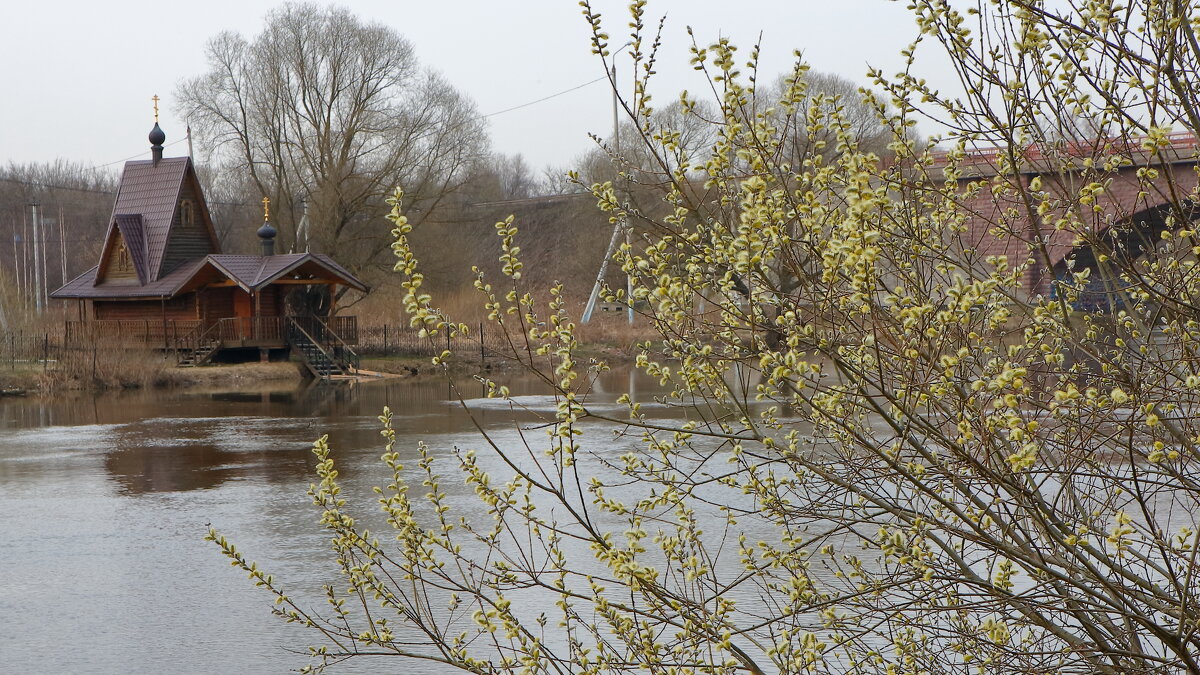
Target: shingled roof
250	272
148	199
150	190
84	286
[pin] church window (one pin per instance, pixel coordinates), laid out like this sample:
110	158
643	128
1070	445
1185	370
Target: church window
187	213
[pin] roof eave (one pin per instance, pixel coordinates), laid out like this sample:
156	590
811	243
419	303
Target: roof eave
346	278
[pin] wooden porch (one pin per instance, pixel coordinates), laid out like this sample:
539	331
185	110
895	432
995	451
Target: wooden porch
268	332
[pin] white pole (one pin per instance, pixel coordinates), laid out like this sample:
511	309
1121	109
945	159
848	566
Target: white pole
37	257
612	245
26	280
620	224
62	244
45	295
18	268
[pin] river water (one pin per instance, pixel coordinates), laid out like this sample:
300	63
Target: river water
107	500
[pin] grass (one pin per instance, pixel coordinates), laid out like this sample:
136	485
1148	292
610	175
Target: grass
105	366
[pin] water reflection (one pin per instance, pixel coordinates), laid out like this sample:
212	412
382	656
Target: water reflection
108	498
167	455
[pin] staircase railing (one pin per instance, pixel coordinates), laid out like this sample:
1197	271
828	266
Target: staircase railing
342	351
302	339
199	338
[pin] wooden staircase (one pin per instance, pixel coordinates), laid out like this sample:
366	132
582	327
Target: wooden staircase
321	350
197	348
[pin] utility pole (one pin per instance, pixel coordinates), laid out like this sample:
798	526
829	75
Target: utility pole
17	267
38	268
27	282
62	245
621	226
302	227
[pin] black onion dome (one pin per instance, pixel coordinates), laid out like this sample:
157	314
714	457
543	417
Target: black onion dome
267	231
156	135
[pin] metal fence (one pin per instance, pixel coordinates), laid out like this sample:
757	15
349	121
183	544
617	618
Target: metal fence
25	349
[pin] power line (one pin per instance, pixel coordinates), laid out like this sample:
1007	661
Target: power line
50	186
546	98
101	166
485	116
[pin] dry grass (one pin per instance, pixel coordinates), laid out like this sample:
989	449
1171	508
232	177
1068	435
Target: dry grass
235	374
611	337
105	366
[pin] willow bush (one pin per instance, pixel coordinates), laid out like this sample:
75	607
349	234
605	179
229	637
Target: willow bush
902	454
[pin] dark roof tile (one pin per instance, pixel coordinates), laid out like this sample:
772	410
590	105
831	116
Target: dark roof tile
83	286
151	190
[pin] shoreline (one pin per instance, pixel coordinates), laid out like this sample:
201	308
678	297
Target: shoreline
36	380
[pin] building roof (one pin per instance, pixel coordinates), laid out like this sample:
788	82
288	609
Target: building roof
150	190
250	272
84	285
144	213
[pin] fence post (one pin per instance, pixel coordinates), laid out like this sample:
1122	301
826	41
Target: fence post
45	351
385	340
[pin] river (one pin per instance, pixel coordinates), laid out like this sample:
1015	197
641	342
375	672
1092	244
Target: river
107	499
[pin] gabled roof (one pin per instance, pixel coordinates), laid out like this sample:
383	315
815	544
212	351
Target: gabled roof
151	190
250	272
84	285
134	236
144	213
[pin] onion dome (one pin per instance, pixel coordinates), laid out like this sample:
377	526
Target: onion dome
157	137
267	231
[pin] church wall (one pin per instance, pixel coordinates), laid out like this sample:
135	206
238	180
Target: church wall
120	266
217	303
181	308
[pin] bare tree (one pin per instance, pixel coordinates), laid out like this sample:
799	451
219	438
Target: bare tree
327	114
74	202
679	134
804	96
505	177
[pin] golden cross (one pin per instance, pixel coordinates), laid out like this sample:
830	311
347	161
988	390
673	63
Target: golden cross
155	99
266	209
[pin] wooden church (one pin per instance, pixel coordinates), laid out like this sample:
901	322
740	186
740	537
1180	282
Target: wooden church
162	281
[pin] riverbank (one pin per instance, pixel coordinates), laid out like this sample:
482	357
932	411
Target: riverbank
31	379
141	370
19	381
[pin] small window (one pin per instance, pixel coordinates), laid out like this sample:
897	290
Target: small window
187	213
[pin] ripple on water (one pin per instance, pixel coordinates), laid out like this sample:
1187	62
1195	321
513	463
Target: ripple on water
36	445
545	404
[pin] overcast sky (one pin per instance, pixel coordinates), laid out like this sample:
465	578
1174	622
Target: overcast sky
77	77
